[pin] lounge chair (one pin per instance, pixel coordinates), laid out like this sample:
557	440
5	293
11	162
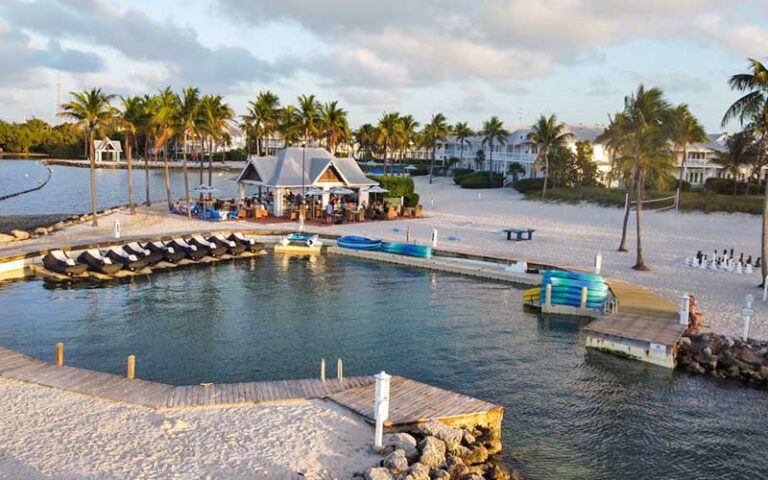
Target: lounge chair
59	262
99	263
232	247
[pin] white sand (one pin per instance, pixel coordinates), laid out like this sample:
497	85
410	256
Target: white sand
47	433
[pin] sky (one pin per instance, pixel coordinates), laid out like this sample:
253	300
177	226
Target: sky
467	59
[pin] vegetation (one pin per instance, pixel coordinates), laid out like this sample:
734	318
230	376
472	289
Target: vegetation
548	135
482	180
493	132
436	130
36	136
397	186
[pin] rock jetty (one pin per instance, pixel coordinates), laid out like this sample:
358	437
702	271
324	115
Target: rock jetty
725	357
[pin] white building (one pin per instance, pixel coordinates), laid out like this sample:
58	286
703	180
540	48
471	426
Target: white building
700	164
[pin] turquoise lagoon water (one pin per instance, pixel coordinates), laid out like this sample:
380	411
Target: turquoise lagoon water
570	414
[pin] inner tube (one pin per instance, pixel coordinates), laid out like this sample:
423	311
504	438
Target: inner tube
355	242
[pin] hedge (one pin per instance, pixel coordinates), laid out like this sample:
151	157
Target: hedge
526	185
397	186
482	180
411	200
460	173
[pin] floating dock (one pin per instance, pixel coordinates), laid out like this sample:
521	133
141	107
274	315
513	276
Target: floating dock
411	402
645	328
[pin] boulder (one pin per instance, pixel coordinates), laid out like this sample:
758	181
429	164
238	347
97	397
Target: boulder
498	471
6	238
493	446
58	226
396	462
432	452
418	471
685	341
439	474
378	473
20	234
41	231
403	441
476	455
450	435
468	438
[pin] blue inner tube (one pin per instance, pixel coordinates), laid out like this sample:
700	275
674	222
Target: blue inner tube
587	277
356	242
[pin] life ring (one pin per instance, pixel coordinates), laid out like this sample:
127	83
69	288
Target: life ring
310	242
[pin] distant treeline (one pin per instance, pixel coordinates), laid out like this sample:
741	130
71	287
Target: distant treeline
36	136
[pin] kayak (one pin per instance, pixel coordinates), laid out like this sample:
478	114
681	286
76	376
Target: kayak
590	277
355	242
409	249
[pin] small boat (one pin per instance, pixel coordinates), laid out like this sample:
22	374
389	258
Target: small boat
233	248
168	253
147	255
99	263
209	247
190	251
356	242
408	249
59	262
250	244
128	260
300	243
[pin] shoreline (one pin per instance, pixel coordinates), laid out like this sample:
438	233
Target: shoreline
138	164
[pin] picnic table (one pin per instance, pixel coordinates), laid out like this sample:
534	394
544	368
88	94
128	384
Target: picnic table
520	234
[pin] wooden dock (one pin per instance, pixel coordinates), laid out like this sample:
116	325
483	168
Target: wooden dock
411	402
645	328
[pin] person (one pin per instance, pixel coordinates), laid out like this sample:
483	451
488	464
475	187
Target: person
362	206
329	212
694	316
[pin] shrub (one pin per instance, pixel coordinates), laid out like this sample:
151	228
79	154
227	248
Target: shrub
460	173
419	171
724	186
411	200
397	186
482	180
526	185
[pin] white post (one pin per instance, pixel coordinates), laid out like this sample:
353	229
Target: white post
598	263
746	315
765	288
117	228
381	406
548	295
408	235
479	196
434	237
584	292
685	310
432	203
322	369
339	369
301	221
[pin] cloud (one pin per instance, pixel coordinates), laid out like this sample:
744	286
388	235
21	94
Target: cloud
176	50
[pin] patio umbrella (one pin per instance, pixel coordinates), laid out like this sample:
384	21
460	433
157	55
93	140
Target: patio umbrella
377	189
205	189
341	191
310	192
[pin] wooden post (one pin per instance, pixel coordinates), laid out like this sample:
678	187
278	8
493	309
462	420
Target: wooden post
339	370
322	369
131	367
584	291
548	295
408	236
60	354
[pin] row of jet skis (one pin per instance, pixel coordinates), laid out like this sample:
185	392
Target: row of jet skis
135	256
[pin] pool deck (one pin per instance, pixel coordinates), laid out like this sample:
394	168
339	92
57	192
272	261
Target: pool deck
411	402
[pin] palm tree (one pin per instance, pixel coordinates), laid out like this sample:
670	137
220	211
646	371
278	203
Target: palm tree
333	124
163	117
752	111
436	130
148	103
186	118
462	132
309	119
365	138
615	138
516	169
684	130
493	131
548	134
408	133
92	112
742	150
131	120
262	119
387	133
215	116
289	127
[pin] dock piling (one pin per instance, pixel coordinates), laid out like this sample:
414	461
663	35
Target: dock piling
131	374
60	354
684	311
548	295
322	369
339	369
381	406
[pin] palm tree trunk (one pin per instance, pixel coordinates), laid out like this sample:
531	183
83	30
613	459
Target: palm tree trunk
129	161
432	163
735	183
92	153
490	160
546	174
623	243
640	261
167	176
186	176
146	169
682	173
210	164
764	239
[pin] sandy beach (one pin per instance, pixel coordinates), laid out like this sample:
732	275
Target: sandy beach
56	434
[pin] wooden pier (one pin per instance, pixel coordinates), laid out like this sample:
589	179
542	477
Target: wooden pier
645	327
411	402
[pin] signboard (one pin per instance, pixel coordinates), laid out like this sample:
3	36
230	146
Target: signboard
658	350
747	312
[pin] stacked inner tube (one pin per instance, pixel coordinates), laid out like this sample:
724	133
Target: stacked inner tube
567	287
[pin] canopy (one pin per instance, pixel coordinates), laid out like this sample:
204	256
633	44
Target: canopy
341	191
313	192
377	189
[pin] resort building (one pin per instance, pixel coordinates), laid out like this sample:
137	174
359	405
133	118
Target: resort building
112	148
293	168
700	164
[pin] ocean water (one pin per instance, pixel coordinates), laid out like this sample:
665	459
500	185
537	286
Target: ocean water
570	413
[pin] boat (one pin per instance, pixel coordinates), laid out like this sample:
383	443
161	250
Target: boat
190	251
208	247
250	244
168	252
356	242
408	249
58	261
232	248
128	260
302	243
147	255
99	263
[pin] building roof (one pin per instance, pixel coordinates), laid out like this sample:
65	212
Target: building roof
285	169
107	145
